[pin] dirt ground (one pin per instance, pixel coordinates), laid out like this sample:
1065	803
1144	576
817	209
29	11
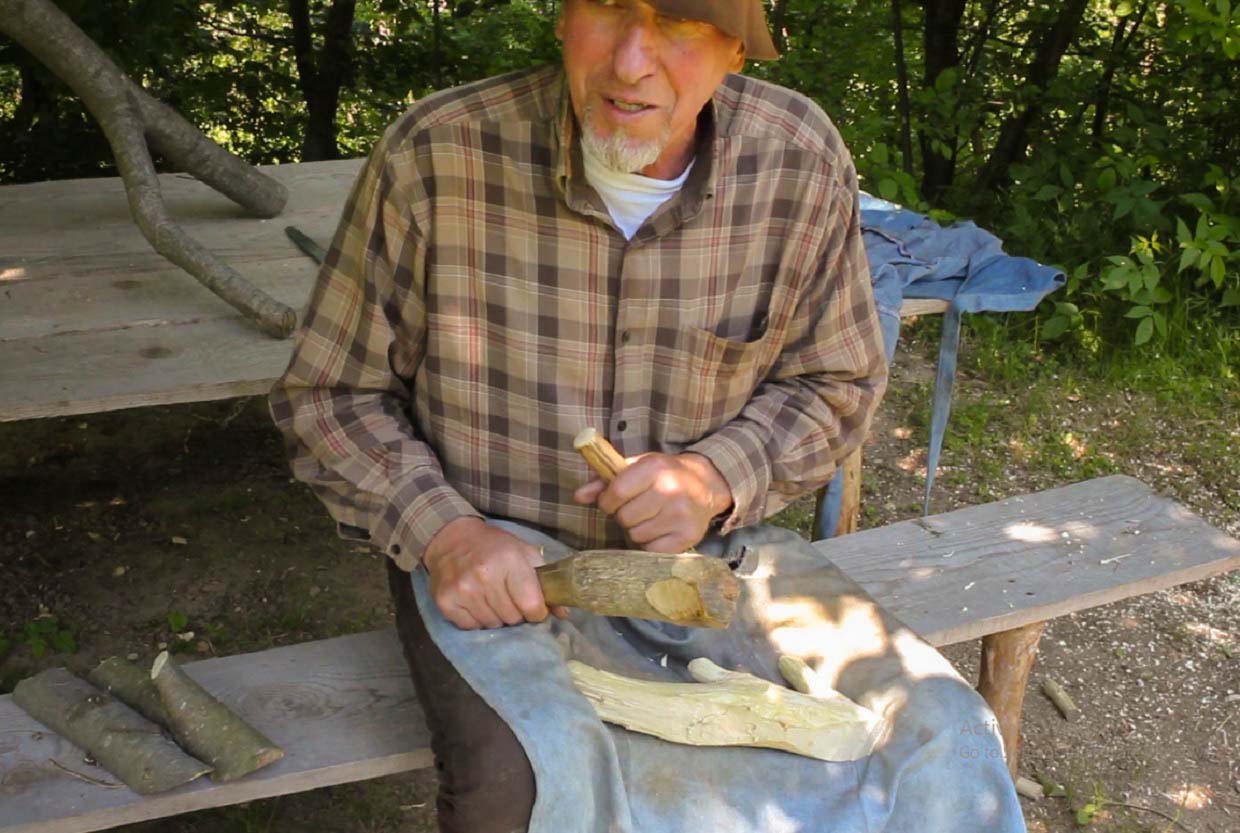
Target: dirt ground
126	532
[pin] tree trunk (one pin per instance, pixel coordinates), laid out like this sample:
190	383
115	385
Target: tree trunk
321	76
942	46
1011	145
35	105
1119	46
906	109
779	19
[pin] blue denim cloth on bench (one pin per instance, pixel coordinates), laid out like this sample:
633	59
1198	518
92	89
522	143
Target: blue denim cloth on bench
911	256
939	770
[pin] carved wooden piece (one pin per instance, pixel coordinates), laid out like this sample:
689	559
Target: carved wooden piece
685	589
1007	659
207	727
732	708
118	738
602	456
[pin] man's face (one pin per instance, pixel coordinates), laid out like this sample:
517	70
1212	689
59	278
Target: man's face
638	80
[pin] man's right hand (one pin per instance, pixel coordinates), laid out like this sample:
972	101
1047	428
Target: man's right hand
483	577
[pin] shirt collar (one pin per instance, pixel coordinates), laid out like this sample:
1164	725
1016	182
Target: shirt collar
571	183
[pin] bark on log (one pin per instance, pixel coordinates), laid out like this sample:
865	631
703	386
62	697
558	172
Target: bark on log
687	589
129	117
732	708
207	727
187	149
132	686
118	738
1060	697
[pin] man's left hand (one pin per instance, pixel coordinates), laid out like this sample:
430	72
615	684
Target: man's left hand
664	501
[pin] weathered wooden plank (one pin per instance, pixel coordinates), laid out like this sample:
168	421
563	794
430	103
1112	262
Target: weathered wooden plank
174	343
92	319
77	280
1026	559
160	296
922	306
51	230
72	272
343	709
88	372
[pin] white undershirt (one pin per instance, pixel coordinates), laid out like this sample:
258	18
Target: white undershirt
630	198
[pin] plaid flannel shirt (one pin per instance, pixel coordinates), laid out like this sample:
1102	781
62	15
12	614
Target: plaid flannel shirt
478	308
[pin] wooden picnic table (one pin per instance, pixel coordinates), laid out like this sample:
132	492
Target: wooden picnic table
92	319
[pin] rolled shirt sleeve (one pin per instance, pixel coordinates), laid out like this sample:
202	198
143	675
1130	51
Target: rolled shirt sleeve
342	407
816	404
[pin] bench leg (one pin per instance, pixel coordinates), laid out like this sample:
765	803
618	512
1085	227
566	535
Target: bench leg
850	507
1007	658
850	502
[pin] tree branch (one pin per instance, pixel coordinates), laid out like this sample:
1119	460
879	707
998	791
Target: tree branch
129	117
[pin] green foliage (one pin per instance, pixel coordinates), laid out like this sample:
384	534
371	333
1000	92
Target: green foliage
177	621
1126	176
46	633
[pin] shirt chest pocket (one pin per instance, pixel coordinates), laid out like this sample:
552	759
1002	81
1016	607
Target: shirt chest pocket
711	379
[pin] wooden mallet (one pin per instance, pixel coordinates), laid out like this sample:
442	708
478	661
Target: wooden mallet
684	589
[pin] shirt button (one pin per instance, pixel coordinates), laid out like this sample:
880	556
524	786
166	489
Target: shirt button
625	336
621	425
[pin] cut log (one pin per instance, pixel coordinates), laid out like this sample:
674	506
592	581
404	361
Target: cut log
207	727
732	708
118	738
685	588
132	686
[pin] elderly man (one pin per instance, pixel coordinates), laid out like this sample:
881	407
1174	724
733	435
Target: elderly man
639	241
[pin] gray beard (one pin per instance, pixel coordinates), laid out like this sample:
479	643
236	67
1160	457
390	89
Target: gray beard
619	153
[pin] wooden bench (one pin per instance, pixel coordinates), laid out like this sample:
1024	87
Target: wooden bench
344	708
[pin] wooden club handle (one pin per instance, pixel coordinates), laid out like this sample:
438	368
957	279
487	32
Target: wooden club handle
600	454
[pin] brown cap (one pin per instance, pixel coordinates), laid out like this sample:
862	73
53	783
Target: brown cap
744	19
